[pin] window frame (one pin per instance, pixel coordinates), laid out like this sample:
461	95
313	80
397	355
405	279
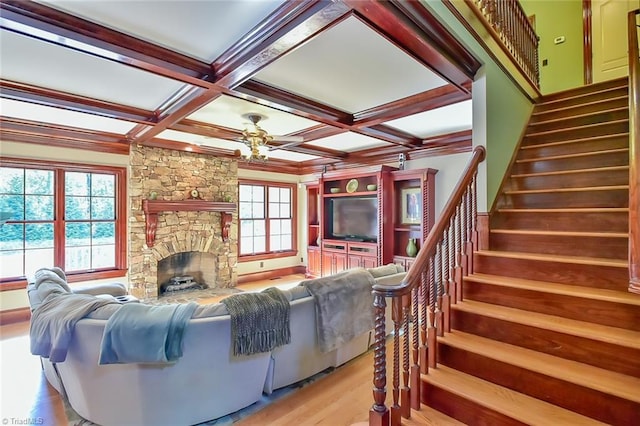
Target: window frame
59	168
294	220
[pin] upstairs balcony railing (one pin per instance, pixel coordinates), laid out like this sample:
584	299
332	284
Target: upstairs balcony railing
634	152
509	25
420	304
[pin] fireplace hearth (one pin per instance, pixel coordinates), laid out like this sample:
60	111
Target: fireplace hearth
186	271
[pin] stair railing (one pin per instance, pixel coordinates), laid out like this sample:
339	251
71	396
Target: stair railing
634	153
423	299
509	25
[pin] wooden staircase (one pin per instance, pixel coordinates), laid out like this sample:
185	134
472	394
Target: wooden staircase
547	332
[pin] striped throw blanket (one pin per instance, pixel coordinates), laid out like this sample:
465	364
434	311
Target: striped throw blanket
259	321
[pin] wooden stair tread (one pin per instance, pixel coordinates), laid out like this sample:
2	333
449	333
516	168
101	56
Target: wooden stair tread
610	382
577	155
573	189
557	288
570	107
565	95
601	333
569	210
578	140
565	129
560	233
428	416
513	404
581	260
571	171
587	114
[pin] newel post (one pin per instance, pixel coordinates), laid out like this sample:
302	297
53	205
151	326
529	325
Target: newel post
379	413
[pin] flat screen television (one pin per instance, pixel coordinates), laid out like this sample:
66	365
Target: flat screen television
353	218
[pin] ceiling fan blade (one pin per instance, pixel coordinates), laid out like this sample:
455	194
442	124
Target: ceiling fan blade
288	138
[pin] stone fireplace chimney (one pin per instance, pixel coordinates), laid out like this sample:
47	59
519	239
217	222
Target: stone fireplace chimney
171	176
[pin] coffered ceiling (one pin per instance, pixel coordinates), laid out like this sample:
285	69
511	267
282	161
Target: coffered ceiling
350	82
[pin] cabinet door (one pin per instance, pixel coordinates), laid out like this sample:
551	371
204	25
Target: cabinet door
369	262
340	262
328	266
355	261
313	263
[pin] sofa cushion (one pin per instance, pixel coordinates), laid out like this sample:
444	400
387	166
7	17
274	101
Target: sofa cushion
384	270
114	289
393	279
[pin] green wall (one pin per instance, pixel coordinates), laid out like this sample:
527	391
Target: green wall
565	69
507	108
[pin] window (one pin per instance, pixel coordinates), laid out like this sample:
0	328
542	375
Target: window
267	221
64	215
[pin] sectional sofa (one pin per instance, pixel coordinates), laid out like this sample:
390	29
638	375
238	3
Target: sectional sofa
208	381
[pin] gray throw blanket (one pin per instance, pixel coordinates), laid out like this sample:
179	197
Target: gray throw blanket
344	306
53	321
259	321
146	334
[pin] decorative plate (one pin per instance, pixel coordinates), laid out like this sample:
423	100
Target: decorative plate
352	185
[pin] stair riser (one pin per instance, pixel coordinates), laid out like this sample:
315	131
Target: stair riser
605	105
571	180
604	247
595	276
578	133
606	159
582	400
577	308
611	89
467	411
576	222
575	199
571	122
577	147
597	353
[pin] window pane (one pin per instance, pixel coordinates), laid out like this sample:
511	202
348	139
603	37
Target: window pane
11	180
285	210
257	210
103	256
245	210
38	235
286	240
76	208
36	259
244	194
39	207
260	244
246	245
104	233
246	228
78	234
275	227
103	208
286	226
274	194
285	195
77	183
77	258
257	193
259	227
274	243
274	210
11	236
13	204
11	263
39	182
103	185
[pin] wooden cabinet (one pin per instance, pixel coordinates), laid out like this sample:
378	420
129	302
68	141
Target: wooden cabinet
365	217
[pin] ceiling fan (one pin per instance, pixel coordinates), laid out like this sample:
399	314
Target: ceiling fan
257	140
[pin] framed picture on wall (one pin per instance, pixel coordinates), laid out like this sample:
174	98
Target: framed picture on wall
411	207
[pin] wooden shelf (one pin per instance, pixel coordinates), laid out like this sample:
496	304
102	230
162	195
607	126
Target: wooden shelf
151	209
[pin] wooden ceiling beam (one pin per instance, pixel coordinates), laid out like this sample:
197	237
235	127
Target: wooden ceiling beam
56	99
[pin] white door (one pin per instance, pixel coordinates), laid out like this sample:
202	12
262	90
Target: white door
609	38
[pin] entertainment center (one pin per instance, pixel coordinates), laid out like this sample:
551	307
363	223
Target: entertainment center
367	217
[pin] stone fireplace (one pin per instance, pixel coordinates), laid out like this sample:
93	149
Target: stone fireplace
171	175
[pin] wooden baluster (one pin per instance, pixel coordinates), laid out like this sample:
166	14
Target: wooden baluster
440	280
415	368
396	314
426	291
431	332
450	284
459	253
379	413
470	226
405	406
464	260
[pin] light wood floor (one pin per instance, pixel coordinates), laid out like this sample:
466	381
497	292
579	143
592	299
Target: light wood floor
340	398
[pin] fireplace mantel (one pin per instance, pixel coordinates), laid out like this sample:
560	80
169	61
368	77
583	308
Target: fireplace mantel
151	209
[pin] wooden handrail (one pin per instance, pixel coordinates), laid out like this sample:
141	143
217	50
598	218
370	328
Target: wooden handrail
429	246
634	153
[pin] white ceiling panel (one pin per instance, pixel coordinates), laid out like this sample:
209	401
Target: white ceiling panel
227	111
350	67
200	29
45	114
291	156
348	142
439	121
27	60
